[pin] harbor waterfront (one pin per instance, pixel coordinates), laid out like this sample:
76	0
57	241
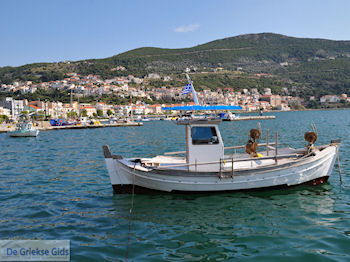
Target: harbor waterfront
47	127
56	186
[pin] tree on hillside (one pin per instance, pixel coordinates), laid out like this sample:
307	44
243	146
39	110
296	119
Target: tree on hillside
83	113
109	112
3	118
72	114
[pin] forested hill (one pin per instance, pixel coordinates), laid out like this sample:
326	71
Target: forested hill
253	52
317	63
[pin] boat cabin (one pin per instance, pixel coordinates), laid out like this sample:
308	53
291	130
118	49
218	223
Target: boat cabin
26	125
204	144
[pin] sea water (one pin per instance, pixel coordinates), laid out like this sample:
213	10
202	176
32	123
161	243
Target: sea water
56	186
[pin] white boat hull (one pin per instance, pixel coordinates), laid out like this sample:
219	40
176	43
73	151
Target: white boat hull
31	133
126	176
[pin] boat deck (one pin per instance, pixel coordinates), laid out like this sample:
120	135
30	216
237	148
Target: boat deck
239	160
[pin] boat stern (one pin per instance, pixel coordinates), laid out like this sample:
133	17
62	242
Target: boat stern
117	175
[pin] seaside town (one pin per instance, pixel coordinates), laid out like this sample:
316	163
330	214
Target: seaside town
130	86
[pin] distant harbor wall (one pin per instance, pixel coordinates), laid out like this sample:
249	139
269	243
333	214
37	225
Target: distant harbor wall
45	126
241	118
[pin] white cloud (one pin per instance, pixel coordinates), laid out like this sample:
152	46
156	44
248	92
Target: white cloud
186	28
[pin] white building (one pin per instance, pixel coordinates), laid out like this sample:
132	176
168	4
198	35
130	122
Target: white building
330	99
5	111
267	91
153	76
16	106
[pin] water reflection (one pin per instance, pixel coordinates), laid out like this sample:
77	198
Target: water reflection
207	226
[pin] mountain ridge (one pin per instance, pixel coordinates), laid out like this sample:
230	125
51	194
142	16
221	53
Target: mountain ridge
256	36
321	64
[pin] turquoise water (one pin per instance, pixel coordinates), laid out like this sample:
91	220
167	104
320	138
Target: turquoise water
56	186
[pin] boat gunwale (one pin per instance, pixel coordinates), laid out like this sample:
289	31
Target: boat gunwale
223	180
237	172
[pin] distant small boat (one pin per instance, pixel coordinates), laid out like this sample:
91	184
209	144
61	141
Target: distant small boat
145	119
24	129
60	122
228	116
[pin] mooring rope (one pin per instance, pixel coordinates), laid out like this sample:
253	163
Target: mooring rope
339	170
130	216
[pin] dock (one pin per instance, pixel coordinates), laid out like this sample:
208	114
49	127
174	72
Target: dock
47	127
242	118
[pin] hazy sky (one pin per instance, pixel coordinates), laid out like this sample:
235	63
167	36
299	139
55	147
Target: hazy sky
58	30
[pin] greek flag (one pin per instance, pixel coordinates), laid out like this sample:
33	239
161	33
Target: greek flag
186	89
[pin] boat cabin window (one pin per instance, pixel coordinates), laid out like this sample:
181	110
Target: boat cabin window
204	135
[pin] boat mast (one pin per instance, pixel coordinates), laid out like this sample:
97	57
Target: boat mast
194	93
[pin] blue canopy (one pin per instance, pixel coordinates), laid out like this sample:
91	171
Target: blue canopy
198	107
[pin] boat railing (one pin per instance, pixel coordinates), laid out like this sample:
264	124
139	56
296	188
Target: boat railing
230	160
267	145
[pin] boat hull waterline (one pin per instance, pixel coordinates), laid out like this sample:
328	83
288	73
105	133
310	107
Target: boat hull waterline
31	133
311	170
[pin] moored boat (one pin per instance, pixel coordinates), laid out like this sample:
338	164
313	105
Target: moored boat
24	129
206	168
228	116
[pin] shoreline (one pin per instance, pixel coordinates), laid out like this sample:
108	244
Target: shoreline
50	128
5	128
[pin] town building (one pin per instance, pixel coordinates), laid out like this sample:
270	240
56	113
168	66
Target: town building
15	106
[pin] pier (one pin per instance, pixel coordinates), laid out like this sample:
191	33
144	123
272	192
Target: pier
241	118
45	126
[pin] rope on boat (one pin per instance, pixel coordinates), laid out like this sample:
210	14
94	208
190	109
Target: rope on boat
132	192
314	128
130	215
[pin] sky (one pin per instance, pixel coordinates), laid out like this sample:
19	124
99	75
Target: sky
59	30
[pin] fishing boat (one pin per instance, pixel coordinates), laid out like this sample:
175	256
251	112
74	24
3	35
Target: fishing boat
24	129
205	167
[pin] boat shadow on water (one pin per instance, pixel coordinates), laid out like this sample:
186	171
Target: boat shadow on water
225	225
320	198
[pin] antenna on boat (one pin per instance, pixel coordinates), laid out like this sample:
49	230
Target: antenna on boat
259	127
314	128
194	93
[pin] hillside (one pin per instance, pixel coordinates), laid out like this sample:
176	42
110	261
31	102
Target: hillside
317	64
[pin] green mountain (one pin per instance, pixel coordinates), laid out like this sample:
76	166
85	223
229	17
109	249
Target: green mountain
313	65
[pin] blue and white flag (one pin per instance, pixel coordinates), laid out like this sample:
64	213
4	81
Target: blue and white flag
187	89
